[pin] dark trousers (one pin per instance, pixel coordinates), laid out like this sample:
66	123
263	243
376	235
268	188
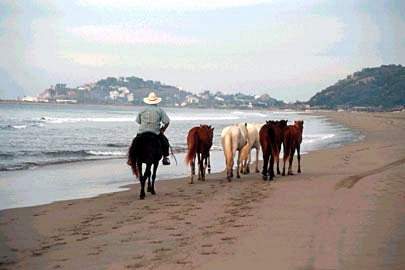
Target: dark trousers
165	144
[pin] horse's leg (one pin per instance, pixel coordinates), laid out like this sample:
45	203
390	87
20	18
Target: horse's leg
149	182
192	166
285	156
205	158
290	172
299	158
199	166
271	167
247	165
237	165
278	160
257	161
209	163
265	164
278	166
146	175
143	180
155	166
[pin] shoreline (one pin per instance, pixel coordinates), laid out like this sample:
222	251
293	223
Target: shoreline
341	212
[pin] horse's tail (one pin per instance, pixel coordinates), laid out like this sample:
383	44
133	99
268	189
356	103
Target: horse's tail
192	150
273	144
133	158
287	145
227	145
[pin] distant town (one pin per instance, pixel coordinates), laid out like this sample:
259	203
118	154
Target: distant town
132	90
371	89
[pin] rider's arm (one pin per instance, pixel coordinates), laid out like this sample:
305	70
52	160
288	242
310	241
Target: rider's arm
164	127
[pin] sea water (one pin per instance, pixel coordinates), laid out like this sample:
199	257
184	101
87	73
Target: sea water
52	152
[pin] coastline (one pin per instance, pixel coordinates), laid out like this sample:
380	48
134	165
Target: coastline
342	212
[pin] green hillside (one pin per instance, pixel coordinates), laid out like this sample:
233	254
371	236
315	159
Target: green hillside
382	87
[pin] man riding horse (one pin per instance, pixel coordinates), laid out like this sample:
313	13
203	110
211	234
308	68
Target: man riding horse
155	120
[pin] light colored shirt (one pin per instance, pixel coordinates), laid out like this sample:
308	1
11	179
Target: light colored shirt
150	119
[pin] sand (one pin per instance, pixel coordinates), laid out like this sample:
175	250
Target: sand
345	211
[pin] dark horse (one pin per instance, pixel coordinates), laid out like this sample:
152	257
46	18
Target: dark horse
292	138
199	142
270	139
145	148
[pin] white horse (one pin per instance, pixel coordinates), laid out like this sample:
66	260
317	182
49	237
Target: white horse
233	138
253	142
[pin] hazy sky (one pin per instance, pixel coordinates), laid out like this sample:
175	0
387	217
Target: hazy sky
288	49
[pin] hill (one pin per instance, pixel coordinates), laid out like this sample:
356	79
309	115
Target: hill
382	87
132	90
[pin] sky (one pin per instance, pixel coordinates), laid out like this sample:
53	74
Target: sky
288	49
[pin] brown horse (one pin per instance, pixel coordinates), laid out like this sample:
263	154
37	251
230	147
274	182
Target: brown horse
145	148
292	138
199	142
270	140
278	139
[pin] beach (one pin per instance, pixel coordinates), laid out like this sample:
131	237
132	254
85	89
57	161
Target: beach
345	211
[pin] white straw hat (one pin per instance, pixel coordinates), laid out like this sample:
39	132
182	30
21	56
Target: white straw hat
152	99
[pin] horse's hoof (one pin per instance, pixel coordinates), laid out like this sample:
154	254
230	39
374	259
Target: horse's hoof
290	173
299	171
264	177
142	197
153	192
257	171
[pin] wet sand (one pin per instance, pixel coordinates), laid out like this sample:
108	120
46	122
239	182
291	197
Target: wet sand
345	211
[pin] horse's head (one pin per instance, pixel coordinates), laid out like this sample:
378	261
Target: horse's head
210	132
282	123
299	124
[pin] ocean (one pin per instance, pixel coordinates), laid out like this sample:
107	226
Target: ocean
51	152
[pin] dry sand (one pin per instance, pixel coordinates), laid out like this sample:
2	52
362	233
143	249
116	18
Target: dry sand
345	211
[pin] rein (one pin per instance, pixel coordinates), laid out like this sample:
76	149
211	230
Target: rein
171	153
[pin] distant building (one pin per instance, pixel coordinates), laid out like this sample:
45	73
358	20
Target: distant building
114	94
130	97
29	99
192	99
60	86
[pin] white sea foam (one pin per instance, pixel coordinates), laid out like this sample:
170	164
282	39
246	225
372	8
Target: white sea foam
205	117
53	120
106	153
311	138
19	126
245	113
